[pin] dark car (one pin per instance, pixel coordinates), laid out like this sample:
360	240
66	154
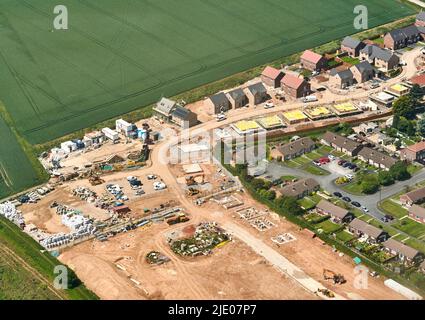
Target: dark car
338	194
388	217
356	169
346	165
356	204
341	162
352	166
346	199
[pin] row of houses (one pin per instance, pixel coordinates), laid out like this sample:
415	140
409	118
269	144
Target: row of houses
299	189
373	234
293	149
355	149
401	38
253	95
359	73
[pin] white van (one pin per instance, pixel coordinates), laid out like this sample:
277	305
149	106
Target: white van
310	99
221	117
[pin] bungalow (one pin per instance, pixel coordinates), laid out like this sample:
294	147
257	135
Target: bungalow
413	197
218	103
293	149
403	252
237	98
295	87
313	61
415	152
164	108
419	80
271	77
401	38
183	117
299	189
363	72
341	79
376	158
361	228
256	93
382	59
338	214
342	144
352	46
417	213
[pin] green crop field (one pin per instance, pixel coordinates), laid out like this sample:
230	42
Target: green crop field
118	56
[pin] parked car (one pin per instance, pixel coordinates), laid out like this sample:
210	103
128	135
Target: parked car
356	169
151	177
268	105
331	157
221	117
338	194
389	217
346	199
356	204
346	165
365	209
349	176
341	162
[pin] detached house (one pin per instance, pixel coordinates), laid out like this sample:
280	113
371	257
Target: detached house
293	149
342	144
184	117
256	93
338	214
363	72
272	77
417	213
361	228
414	152
341	79
295	87
237	98
382	59
352	46
164	108
218	103
313	61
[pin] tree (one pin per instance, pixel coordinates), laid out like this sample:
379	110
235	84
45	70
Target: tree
399	171
405	126
289	205
416	92
397	144
258	184
385	178
405	107
420	128
370	184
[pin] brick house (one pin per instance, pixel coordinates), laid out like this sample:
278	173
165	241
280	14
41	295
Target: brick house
313	61
342	144
352	46
341	79
363	72
237	98
183	117
218	103
299	189
404	253
401	38
293	149
295	87
376	158
256	93
338	214
360	228
414	152
271	77
381	58
413	197
417	213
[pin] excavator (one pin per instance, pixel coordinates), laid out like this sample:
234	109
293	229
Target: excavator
327	293
330	275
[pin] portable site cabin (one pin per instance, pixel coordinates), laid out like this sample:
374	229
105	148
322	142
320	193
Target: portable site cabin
110	134
68	146
124	127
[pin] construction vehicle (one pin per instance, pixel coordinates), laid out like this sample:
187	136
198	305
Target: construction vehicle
192	180
330	275
179	219
95	180
192	192
327	293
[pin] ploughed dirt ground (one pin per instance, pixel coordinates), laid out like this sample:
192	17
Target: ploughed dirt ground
233	271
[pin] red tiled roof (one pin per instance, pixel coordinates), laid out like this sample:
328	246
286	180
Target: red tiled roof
311	56
419	80
417	147
292	81
271	73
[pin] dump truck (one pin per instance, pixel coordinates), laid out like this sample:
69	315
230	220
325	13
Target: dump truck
176	220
